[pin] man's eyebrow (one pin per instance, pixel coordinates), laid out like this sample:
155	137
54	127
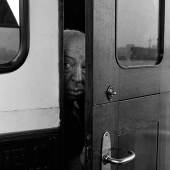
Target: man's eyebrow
68	57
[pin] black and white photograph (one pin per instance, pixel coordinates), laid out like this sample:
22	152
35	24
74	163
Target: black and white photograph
84	85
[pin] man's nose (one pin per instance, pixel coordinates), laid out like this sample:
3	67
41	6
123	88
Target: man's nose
77	76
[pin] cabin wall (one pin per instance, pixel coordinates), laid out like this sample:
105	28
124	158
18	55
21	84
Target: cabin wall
29	97
165	64
164	128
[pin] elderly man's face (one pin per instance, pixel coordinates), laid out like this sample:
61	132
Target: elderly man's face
74	66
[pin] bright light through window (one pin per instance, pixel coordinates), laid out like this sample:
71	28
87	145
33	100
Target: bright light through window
14	5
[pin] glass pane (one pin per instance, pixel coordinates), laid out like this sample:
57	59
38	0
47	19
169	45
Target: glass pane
137	32
9	13
9	44
14	5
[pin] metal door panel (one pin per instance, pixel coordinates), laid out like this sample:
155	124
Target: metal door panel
143	142
133	125
138	131
138	113
131	116
164	132
105	73
100	126
138	82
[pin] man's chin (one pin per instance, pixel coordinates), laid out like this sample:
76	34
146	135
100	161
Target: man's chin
73	97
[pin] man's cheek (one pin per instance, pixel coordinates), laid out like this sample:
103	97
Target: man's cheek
67	77
69	85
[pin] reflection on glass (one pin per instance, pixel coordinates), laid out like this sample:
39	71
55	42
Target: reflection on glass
9	13
9	44
137	32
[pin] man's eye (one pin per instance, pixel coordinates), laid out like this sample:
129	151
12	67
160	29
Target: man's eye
67	66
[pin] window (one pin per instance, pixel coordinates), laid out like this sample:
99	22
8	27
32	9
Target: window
138	32
13	34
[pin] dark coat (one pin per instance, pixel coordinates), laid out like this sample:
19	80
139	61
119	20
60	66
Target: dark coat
74	127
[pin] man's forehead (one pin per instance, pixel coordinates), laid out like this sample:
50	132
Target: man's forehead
75	42
76	49
75	54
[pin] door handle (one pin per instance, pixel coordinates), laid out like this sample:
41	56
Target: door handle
108	159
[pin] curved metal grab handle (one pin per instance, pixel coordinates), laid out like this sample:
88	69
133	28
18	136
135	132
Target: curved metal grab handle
108	159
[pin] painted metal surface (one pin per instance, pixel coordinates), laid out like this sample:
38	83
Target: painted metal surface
35	85
29	119
132	117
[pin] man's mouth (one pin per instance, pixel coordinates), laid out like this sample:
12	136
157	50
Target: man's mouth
75	92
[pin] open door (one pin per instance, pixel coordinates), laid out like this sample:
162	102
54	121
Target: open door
125	39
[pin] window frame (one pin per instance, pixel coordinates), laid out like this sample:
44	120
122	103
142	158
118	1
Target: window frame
24	30
161	30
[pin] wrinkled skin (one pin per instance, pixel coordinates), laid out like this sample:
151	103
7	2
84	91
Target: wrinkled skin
74	68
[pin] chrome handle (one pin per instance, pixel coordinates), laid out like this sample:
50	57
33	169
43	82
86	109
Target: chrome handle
108	159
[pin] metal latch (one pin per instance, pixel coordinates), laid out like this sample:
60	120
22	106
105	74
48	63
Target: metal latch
107	158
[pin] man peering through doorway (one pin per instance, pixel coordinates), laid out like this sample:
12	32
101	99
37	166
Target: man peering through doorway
74	88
